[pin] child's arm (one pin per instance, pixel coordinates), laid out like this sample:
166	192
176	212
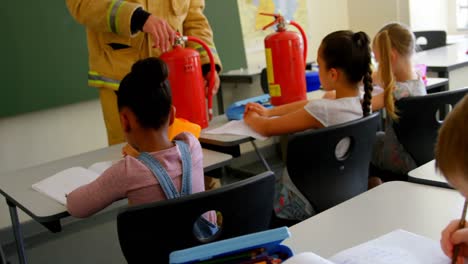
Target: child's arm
275	111
452	236
95	196
378	101
296	121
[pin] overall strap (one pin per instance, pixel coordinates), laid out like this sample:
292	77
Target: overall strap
186	167
163	177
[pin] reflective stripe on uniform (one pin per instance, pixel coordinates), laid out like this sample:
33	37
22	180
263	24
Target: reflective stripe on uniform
112	15
202	51
94	79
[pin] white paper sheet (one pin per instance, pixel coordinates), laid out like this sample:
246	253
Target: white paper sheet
397	247
236	127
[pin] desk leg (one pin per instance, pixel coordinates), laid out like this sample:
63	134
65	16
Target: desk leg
259	154
17	232
219	97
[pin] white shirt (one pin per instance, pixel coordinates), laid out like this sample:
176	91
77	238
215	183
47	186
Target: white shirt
331	112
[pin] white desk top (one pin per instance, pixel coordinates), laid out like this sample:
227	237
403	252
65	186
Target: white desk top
447	57
427	174
421	209
17	184
436	82
242	72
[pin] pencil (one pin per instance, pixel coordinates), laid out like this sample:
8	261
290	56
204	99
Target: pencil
456	249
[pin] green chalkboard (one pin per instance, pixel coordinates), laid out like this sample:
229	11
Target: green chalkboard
44	60
225	20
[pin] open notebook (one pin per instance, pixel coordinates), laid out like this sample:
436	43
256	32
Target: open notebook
63	182
399	246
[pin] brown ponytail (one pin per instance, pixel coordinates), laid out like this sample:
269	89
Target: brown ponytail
398	37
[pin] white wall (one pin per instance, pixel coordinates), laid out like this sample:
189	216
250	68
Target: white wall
324	18
42	136
370	15
428	14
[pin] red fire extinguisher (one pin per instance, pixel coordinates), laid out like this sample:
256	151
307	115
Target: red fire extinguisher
286	55
187	82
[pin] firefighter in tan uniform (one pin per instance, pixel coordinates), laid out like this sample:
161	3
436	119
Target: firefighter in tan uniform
121	32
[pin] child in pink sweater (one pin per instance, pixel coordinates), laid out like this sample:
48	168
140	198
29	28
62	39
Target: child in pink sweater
146	111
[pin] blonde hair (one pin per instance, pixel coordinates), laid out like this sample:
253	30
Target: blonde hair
451	152
400	38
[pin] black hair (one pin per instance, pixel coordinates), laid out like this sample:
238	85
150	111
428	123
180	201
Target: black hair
351	53
146	91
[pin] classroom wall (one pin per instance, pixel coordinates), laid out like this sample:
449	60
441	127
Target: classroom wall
370	15
428	15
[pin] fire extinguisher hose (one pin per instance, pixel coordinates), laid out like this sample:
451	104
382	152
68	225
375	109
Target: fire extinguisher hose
304	38
211	78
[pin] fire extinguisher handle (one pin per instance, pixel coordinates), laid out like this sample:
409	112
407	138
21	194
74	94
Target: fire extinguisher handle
304	38
278	19
211	78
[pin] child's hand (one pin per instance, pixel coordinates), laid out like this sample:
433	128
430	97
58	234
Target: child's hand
257	108
250	116
452	236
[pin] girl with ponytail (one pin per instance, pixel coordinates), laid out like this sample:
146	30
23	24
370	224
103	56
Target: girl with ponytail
344	59
394	47
146	111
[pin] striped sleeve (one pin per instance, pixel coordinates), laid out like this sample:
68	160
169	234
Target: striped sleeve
104	16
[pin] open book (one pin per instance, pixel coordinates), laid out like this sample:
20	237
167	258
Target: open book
63	182
399	246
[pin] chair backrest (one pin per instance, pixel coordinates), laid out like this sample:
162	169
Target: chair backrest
323	178
2	256
418	125
149	233
433	39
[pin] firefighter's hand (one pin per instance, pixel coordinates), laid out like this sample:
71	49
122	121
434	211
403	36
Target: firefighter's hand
256	108
216	82
161	33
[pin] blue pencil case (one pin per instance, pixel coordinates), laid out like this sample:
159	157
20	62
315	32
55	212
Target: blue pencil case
236	110
261	247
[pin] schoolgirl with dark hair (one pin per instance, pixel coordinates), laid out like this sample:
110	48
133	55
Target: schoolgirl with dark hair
344	60
146	111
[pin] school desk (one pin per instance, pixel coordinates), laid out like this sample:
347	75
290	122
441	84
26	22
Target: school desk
16	187
427	174
449	61
421	209
229	143
437	85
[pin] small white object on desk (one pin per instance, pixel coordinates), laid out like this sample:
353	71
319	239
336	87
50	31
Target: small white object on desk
236	127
